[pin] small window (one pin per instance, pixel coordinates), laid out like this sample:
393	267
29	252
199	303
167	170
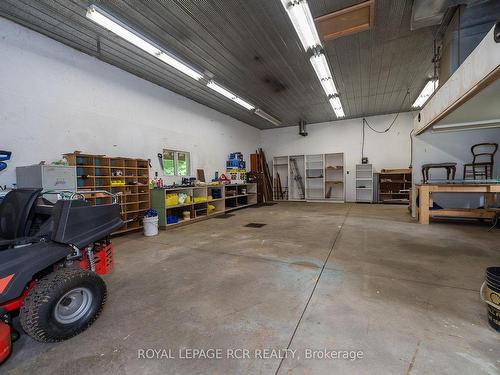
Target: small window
176	163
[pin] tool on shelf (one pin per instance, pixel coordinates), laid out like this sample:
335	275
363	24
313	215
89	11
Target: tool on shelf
297	177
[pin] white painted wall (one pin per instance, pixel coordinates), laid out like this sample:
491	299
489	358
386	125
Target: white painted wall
54	99
388	150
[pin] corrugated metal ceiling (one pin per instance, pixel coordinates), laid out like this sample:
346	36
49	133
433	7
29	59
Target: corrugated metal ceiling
250	47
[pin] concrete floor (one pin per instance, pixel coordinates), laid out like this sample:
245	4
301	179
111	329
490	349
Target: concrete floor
317	276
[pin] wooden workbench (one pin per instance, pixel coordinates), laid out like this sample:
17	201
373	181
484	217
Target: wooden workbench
425	191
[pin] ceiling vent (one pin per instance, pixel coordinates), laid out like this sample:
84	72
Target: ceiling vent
302	128
347	21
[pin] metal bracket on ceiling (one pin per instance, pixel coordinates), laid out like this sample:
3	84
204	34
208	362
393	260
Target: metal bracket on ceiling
98	44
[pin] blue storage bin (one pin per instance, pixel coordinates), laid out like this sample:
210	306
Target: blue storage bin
172	219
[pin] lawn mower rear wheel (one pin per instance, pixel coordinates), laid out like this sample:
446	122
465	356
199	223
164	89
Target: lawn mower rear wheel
63	304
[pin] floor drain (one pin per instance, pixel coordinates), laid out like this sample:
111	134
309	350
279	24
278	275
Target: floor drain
255	225
225	216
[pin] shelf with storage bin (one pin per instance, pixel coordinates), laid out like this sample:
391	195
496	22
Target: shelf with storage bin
99	172
203	207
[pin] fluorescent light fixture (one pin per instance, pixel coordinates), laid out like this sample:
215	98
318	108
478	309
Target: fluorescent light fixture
221	90
329	86
320	66
266	116
337	106
301	17
322	70
302	20
228	94
174	63
426	93
473	125
244	103
109	22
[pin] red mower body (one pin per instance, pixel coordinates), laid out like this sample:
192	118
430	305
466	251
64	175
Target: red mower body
5	344
102	263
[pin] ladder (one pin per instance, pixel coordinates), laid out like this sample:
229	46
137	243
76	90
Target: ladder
297	177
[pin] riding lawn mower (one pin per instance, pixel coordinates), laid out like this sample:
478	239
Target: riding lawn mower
51	257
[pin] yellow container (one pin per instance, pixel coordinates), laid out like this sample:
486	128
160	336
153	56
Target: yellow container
117	182
199	199
187	215
171	200
188	199
210	208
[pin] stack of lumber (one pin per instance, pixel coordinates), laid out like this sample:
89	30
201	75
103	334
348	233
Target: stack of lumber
258	163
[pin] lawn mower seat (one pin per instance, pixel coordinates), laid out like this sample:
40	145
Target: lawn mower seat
16	215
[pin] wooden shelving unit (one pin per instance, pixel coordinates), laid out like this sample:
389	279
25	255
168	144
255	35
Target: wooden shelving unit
127	177
394	186
203	202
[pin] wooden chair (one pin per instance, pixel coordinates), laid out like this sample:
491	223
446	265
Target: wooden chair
482	161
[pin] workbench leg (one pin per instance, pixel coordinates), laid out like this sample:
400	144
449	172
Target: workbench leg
489	199
424	201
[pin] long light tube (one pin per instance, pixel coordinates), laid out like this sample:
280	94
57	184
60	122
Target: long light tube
329	86
337	106
303	22
228	94
107	21
473	125
320	66
175	63
426	93
266	116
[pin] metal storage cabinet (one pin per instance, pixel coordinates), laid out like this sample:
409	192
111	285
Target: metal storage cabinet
46	177
364	183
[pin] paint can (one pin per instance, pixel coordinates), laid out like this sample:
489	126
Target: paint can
490	294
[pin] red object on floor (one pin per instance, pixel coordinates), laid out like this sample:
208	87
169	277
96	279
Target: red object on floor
5	344
103	258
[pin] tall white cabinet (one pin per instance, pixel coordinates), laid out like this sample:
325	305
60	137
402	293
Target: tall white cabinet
315	177
364	183
334	177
